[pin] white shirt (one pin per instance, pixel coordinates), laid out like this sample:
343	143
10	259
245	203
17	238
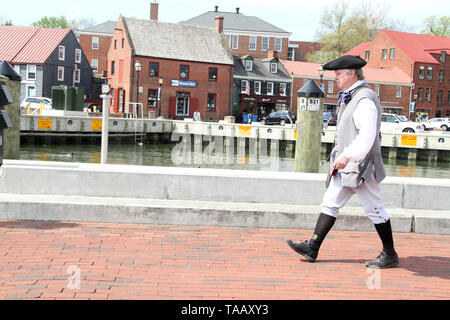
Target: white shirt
365	119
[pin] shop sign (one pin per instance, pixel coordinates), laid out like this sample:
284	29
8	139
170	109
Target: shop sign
184	83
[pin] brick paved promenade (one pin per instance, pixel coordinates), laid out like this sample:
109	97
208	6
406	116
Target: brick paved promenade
42	260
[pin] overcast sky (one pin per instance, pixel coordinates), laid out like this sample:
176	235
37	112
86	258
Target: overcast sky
299	17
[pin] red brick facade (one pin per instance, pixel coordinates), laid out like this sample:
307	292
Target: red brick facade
434	104
193	92
100	54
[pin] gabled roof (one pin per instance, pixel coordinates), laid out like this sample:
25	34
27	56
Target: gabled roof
310	70
23	45
234	21
358	50
106	27
176	41
416	46
260	70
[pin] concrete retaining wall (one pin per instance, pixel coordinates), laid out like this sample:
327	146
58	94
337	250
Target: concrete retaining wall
175	183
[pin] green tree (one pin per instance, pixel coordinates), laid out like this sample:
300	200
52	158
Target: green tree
437	26
342	29
53	22
5	22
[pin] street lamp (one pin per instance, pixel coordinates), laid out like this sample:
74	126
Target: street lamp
321	73
161	81
138	68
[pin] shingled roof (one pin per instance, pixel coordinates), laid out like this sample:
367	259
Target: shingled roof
176	41
260	70
235	21
106	28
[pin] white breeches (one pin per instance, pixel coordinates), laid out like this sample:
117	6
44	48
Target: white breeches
369	195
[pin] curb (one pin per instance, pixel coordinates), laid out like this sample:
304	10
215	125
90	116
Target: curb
208	213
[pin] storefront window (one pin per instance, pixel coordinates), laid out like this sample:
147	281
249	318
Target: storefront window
152	98
211	102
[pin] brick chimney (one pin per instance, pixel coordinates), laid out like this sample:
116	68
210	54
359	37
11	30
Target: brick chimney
219	24
272	54
154	11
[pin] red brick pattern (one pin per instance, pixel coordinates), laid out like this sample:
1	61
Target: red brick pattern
37	261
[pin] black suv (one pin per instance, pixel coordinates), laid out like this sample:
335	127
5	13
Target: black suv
330	117
279	117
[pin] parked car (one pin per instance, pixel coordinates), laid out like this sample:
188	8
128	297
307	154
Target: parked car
35	103
279	117
403	118
443	123
330	118
391	123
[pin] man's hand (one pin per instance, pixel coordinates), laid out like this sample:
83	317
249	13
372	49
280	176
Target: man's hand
340	162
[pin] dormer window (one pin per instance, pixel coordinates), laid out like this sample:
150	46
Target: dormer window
248	65
273	67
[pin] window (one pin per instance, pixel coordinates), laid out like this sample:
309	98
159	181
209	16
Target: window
94	64
439	96
392	53
384	54
95	43
270	88
377	89
77	55
291	54
184	72
152	96
441	75
421	72
273	67
330	86
442	58
265	44
212	74
398	93
278	42
448	96
235	42
283	89
60	73
228	36
367	55
123	42
31	72
248	65
420	94
258	87
62	53
428	94
115	43
76	75
245	86
113	67
430	73
211	106
252	44
153	69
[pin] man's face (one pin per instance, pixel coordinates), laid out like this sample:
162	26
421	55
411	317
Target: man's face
343	79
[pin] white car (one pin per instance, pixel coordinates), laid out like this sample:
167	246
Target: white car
443	123
35	103
392	123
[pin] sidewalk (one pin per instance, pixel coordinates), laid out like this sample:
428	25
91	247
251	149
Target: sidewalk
72	260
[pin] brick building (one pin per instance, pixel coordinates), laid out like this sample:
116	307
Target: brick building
95	42
246	35
424	58
299	50
184	69
392	86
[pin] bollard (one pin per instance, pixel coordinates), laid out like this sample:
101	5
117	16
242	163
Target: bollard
105	123
309	127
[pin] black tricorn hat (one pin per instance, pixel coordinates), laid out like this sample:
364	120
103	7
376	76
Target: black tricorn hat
345	62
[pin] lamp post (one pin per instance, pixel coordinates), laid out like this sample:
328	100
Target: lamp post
161	81
321	73
137	67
